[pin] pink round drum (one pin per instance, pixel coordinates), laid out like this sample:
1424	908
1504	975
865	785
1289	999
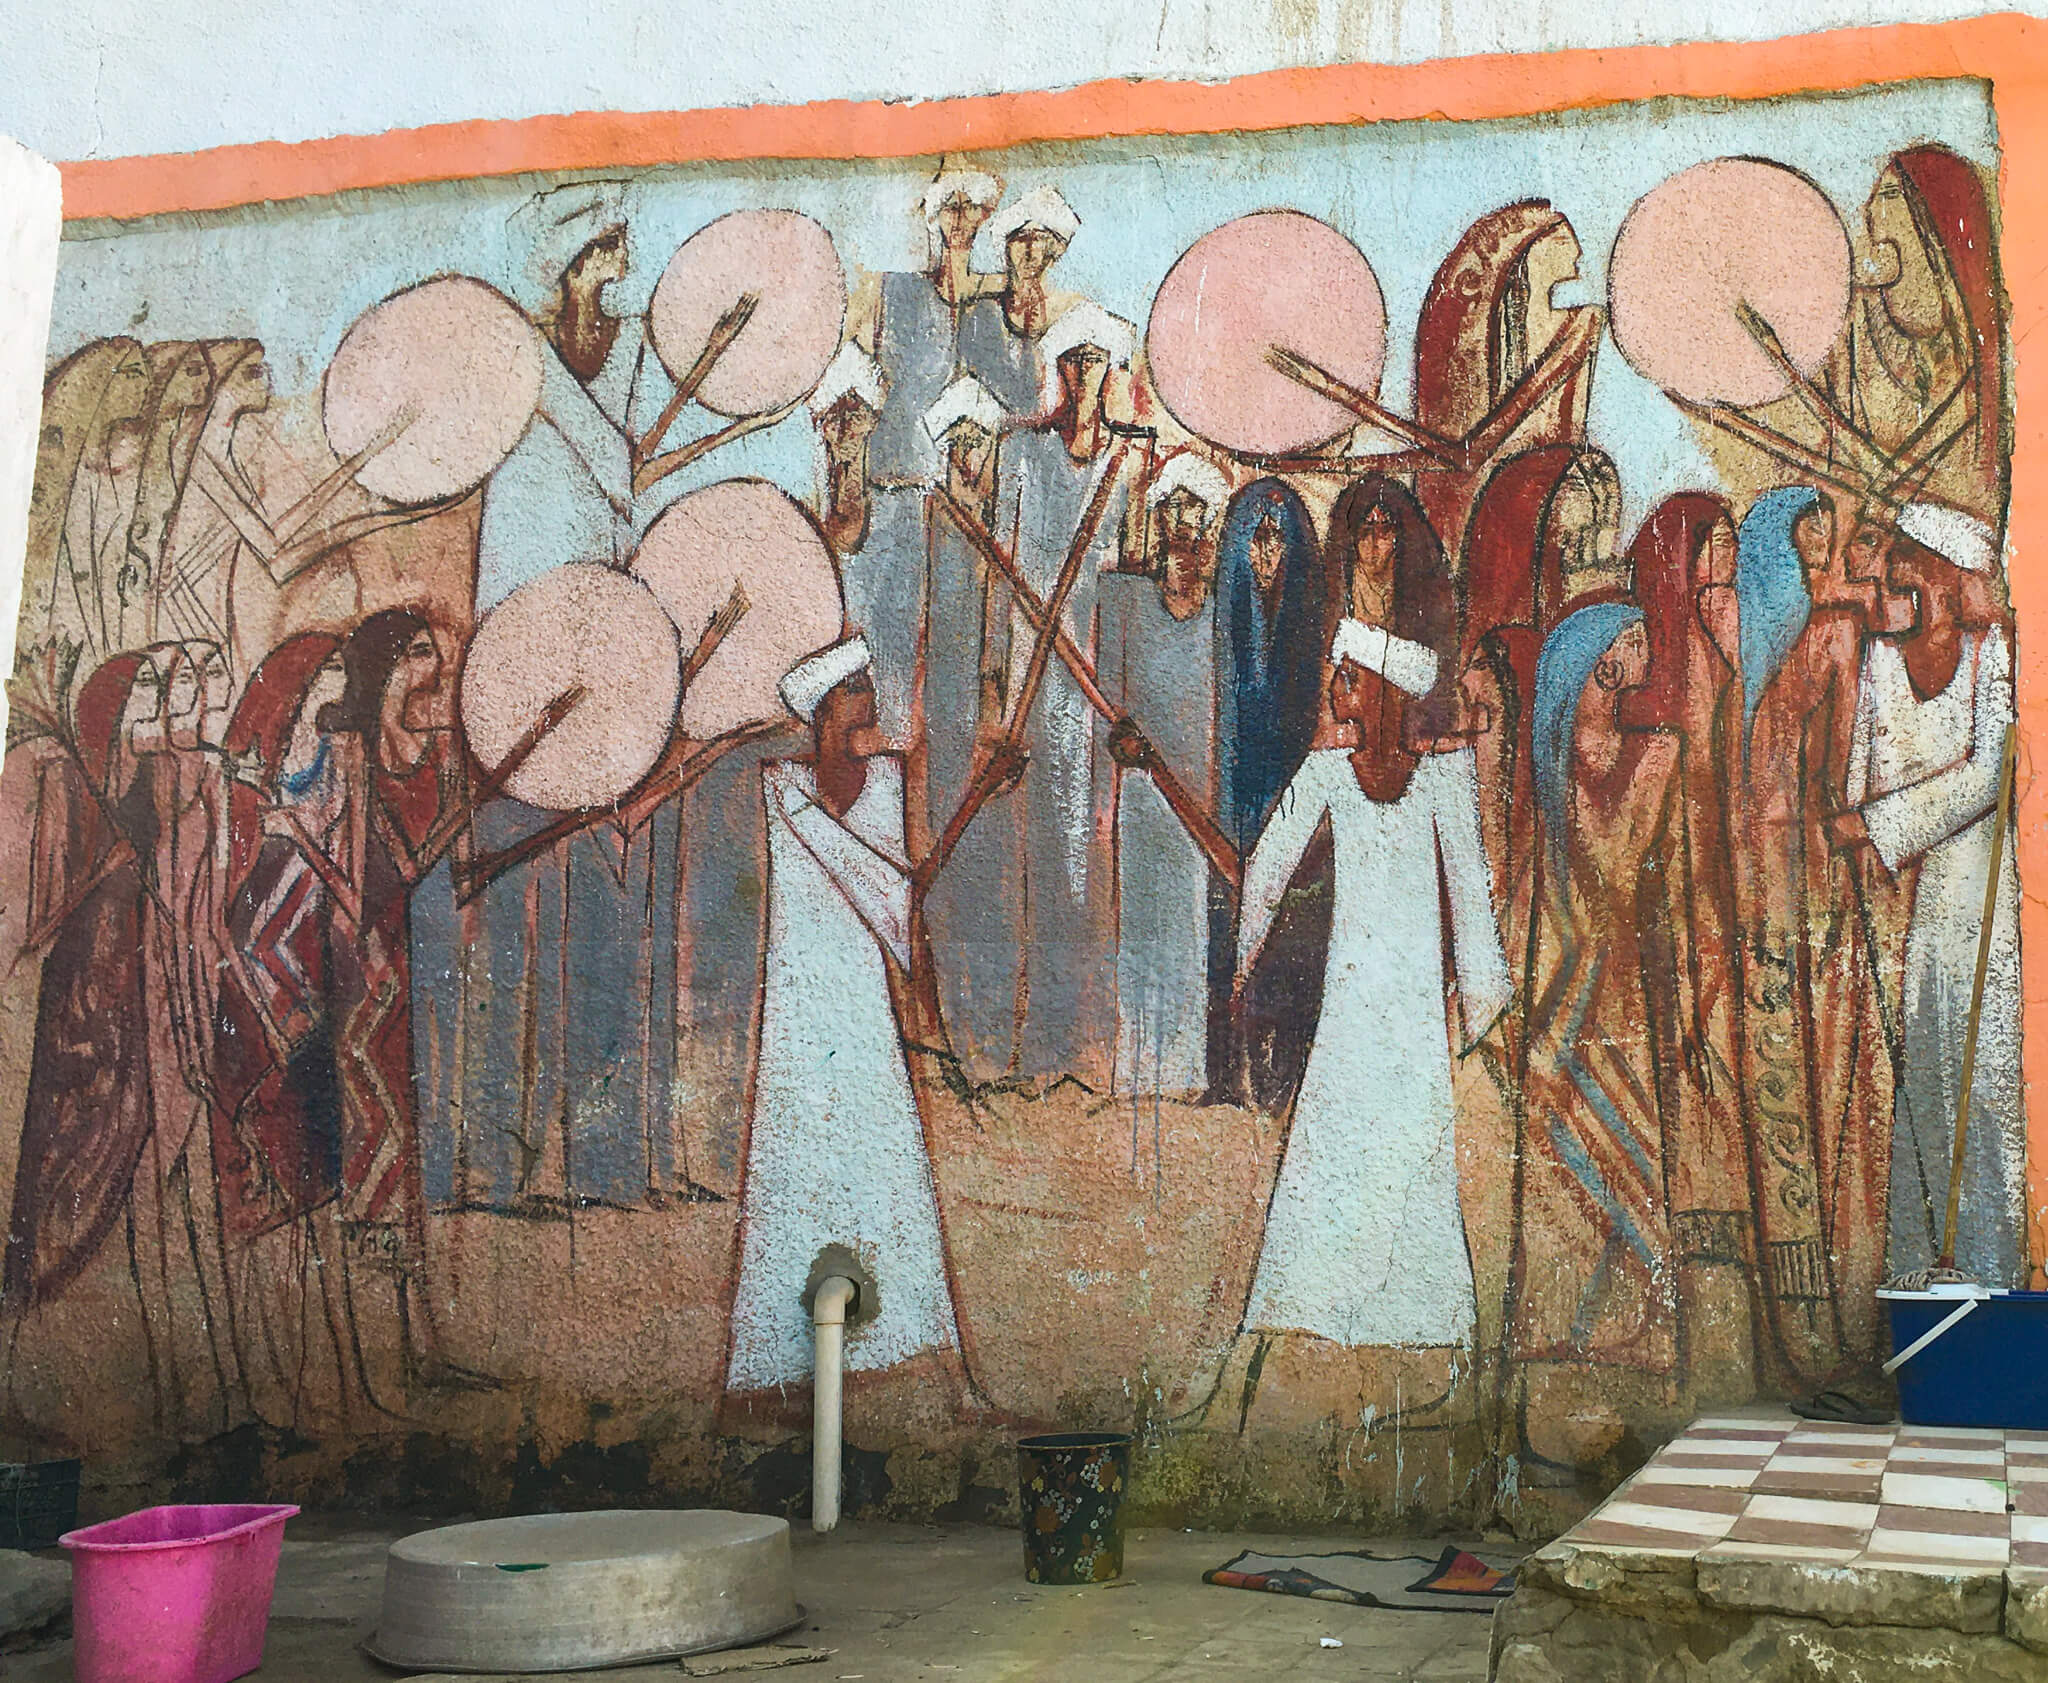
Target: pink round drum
743	532
438	382
1727	232
786	261
581	624
1279	279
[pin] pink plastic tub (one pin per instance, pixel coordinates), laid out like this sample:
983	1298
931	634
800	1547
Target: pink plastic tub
174	1595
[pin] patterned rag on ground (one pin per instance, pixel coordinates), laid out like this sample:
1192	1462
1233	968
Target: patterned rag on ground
1455	1582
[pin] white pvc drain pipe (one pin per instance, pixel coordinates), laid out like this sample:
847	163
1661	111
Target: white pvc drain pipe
828	1326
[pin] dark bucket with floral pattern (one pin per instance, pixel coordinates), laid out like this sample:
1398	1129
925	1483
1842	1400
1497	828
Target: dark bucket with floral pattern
1070	1486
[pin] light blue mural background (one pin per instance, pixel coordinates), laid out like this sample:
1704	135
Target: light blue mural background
296	275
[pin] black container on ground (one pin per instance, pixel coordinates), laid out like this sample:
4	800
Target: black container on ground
38	1503
1070	1488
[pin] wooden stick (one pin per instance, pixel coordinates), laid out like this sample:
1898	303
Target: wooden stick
1200	826
1324	384
2008	761
1563	357
981	786
1817	402
723	332
658	786
1771	442
715	633
445	832
652	473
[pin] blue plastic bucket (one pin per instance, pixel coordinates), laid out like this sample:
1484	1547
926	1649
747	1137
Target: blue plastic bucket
1989	1368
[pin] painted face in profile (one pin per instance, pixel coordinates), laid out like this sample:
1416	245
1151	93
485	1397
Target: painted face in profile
249	385
409	691
1813	538
1030	252
1372	566
959	220
184	696
604	260
216	690
142	719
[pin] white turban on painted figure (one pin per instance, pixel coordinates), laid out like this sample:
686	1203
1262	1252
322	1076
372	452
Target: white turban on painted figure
966	399
555	227
816	676
977	186
852	373
1089	324
1186	471
1955	536
1042	207
1084	323
1407	666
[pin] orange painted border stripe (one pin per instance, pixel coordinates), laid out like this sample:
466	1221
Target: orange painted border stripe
2008	51
1492	85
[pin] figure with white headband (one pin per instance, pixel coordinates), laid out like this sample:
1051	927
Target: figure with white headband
836	1149
1156	648
999	335
1364	1240
876	531
1048	476
909	322
1924	777
964	661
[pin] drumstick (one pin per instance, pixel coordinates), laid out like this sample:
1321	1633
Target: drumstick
723	332
1202	829
439	838
652	473
715	633
1816	400
1771	442
1324	384
659	784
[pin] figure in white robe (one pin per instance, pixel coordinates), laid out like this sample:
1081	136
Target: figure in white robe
836	1153
1365	1242
1926	774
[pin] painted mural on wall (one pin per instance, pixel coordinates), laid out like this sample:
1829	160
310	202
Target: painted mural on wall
1310	781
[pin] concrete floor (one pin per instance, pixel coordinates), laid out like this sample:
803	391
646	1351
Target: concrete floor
944	1604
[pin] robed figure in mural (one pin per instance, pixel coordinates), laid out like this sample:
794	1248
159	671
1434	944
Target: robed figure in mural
1932	713
1921	369
1489	321
1592	1287
836	1149
911	323
1060	881
89	1113
1157	651
1684	561
1001	333
1271	631
1364	1243
314	1132
1817	1054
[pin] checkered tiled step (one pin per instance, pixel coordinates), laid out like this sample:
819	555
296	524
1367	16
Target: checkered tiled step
1906	1497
